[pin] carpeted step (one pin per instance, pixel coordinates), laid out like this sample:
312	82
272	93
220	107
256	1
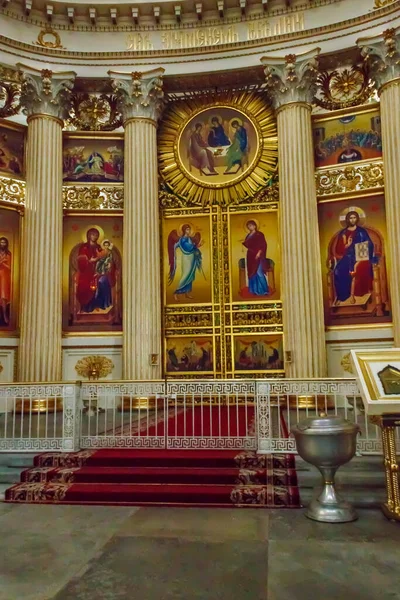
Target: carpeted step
154	494
189	475
160	458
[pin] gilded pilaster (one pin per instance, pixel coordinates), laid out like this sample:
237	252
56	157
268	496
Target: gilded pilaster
140	102
291	82
44	99
383	57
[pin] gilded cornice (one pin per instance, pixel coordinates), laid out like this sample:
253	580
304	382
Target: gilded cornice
391	9
127	26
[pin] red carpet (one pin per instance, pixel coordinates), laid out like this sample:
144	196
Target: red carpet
166	477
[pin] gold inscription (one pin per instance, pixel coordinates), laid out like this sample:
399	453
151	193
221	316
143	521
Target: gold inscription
271	27
197	38
139	41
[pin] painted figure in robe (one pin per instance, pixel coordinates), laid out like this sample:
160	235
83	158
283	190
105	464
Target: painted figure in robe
5	281
191	259
353	261
256	260
96	273
235	153
217	136
200	155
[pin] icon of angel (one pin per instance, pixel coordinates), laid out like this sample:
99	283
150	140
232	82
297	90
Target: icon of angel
190	257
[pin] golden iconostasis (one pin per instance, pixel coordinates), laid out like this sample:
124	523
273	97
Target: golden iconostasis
219	208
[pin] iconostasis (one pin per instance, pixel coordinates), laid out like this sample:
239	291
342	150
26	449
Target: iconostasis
221	255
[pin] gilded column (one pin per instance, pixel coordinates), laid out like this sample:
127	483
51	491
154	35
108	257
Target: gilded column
383	57
45	100
292	83
140	98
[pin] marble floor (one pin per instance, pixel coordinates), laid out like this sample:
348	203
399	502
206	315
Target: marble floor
123	553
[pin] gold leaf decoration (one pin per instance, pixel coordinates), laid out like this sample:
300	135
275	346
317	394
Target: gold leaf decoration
94	112
12	190
346	364
1	368
348	179
94	367
181	187
345	87
93	197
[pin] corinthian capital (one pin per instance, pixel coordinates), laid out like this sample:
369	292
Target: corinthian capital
46	93
382	54
140	95
292	78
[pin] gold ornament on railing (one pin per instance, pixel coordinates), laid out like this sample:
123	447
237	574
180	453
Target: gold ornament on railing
94	367
93	197
94	112
345	87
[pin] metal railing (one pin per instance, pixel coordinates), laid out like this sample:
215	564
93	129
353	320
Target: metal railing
182	414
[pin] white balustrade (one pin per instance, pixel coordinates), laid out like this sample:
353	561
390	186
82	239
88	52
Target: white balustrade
236	414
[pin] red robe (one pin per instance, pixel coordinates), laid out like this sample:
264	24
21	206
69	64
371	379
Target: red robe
86	283
254	244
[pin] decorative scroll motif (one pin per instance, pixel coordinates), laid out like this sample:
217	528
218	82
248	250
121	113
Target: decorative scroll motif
346	364
10	91
1	368
90	112
139	94
383	57
264	316
46	93
344	87
12	190
179	321
344	180
293	79
94	367
93	197
54	42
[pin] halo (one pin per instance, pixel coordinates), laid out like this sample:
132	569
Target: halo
345	211
238	119
180	228
172	160
256	221
99	229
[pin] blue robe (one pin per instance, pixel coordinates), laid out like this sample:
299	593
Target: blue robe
345	266
217	137
191	262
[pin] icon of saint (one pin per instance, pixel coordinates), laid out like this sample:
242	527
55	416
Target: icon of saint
199	153
191	259
352	261
238	148
256	260
217	136
5	281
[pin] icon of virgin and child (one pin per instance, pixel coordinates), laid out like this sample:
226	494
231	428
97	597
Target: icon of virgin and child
96	270
210	147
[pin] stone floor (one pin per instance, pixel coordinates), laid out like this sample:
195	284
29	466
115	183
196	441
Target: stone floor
122	553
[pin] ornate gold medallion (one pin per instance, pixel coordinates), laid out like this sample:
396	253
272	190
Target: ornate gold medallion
218	152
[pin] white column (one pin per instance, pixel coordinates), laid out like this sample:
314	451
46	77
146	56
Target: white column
383	57
45	99
292	81
140	101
